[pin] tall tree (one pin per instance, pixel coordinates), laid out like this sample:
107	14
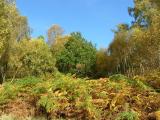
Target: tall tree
4	37
13	27
118	49
143	12
78	56
136	49
54	32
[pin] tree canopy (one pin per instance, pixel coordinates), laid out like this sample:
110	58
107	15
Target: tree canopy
78	55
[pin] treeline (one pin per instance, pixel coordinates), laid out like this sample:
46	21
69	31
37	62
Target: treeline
135	49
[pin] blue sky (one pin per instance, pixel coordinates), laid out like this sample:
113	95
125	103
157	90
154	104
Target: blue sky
93	18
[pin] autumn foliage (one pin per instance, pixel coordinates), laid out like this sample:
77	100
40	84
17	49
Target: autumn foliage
67	77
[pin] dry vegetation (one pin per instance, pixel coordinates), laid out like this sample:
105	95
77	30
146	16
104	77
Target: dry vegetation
65	97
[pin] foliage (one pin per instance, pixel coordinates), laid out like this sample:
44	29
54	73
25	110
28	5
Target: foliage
152	79
102	63
31	58
27	82
70	98
67	93
135	82
35	87
10	32
127	116
79	56
8	92
4	30
135	49
58	45
54	32
48	103
118	77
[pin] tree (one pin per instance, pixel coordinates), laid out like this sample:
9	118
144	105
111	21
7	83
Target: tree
41	37
136	49
10	31
54	32
118	49
143	12
102	63
31	57
145	35
78	56
4	38
58	46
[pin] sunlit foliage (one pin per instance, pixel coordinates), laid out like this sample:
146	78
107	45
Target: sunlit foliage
31	57
78	56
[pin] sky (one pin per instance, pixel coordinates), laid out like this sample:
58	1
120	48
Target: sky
95	19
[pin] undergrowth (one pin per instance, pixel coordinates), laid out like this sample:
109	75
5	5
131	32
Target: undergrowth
66	97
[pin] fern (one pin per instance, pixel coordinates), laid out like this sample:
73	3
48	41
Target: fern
127	116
